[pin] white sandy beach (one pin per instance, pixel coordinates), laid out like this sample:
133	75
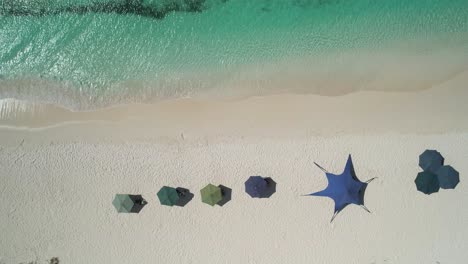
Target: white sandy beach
59	171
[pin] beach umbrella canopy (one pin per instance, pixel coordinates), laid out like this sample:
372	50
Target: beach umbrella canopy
344	189
128	203
211	194
256	186
168	196
431	160
427	182
448	177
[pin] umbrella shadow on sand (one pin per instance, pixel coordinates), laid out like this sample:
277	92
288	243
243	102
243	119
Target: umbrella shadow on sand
271	188
227	195
139	201
185	196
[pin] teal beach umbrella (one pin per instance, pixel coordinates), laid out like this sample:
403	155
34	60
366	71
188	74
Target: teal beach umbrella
168	196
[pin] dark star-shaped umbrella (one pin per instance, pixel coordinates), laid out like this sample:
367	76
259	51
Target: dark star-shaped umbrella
344	189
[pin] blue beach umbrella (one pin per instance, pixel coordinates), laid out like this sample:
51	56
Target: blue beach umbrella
448	177
431	160
427	182
344	189
256	186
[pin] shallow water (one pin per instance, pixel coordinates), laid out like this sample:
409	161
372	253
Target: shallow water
51	52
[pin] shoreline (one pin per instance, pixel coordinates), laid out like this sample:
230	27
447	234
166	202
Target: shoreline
436	110
404	66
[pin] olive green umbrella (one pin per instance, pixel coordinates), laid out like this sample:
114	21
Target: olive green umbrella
168	196
128	203
211	194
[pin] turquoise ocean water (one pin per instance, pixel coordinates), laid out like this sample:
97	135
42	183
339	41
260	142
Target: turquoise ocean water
86	52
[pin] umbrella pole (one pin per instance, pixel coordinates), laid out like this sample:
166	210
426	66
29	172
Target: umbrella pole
371	179
334	215
320	167
365	208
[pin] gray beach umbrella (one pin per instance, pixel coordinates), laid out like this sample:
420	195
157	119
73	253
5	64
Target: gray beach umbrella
448	177
431	160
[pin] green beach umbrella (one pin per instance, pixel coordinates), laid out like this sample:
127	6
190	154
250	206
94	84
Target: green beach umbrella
168	196
211	194
127	203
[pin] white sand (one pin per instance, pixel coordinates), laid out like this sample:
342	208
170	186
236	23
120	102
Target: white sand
57	180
